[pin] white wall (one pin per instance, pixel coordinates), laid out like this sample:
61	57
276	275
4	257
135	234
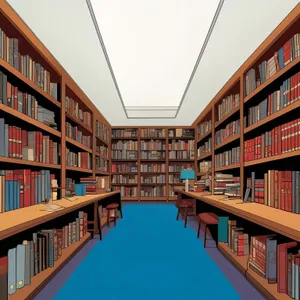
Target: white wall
66	29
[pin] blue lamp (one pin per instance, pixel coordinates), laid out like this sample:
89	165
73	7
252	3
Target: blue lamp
186	175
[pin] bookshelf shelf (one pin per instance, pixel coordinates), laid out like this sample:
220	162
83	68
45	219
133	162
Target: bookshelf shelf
78	145
17	161
101	172
130	199
227	141
153	138
131	160
153	198
102	156
153	184
181	138
125	138
203	173
204	156
79	123
201	138
41	279
272	158
77	169
151	173
234	111
124	173
102	140
273	116
30	120
272	79
28	82
124	184
230	167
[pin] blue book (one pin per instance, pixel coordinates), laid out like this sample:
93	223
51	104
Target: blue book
223	229
18	190
6	140
20	266
12	271
7	190
78	189
271	259
83	189
281	58
11	195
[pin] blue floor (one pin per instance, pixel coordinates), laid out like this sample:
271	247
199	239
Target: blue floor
149	255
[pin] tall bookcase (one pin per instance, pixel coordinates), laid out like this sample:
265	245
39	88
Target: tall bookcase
162	152
254	125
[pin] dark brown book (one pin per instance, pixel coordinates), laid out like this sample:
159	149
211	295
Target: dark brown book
3	278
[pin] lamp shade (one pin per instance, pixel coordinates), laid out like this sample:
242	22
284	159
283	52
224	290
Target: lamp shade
187	174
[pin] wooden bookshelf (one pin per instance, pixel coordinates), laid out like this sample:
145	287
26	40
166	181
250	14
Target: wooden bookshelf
41	279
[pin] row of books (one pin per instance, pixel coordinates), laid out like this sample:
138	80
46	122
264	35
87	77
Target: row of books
95	185
288	93
228	104
125	133
281	139
203	183
126	191
153	145
70	184
203	128
103	150
158	191
182	154
281	58
152	155
154	179
73	109
205	166
23	102
124	179
101	164
182	145
228	158
28	145
226	184
24	187
102	131
205	148
125	145
80	159
33	256
181	132
174	178
178	167
152	132
145	168
231	129
278	189
74	133
124	168
127	155
9	51
238	240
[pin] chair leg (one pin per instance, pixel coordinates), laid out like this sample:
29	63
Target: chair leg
185	218
178	213
199	227
108	218
205	229
99	224
115	221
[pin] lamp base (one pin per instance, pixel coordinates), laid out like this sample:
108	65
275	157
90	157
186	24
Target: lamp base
186	185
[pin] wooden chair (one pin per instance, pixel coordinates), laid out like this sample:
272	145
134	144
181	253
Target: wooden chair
112	213
206	219
184	208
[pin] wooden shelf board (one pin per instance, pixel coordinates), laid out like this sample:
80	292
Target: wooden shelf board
271	158
40	280
152	184
129	198
227	141
201	138
77	169
98	172
101	155
181	138
129	160
151	173
204	156
152	138
124	173
203	173
124	138
27	119
172	198
124	184
234	166
282	222
19	220
28	82
273	116
152	160
101	140
181	160
153	198
272	79
78	145
235	110
4	159
79	122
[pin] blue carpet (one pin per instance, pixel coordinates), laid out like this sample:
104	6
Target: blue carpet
149	255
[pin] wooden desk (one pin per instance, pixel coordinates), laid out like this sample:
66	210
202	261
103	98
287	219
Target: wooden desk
19	220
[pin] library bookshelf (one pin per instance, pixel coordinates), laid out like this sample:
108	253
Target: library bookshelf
160	156
261	98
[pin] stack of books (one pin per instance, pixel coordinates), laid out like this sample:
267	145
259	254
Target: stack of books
47	117
238	241
233	189
221	182
200	185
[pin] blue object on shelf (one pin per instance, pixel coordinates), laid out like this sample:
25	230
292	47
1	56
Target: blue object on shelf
80	189
223	229
187	174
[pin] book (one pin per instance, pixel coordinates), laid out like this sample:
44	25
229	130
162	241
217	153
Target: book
3	278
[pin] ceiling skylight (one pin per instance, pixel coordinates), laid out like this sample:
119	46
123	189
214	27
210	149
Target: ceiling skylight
153	47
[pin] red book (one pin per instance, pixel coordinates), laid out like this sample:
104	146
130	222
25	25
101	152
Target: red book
273	142
41	146
282	266
19	175
32	185
4	278
279	186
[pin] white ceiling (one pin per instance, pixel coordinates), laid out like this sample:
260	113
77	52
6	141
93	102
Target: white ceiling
67	30
153	46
